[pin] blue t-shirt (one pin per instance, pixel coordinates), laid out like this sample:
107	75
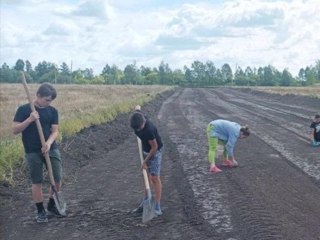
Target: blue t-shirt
30	136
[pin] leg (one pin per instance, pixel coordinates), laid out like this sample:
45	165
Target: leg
157	185
155	180
212	143
35	163
55	160
37	194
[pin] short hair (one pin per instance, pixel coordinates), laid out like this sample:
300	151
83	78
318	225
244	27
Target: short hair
47	90
245	130
317	116
136	121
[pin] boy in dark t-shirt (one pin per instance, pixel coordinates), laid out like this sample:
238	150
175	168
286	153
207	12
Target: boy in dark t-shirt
25	122
315	131
152	150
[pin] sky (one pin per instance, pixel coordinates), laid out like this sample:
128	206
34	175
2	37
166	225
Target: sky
93	33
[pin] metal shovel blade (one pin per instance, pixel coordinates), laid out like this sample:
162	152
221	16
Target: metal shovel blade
148	209
60	202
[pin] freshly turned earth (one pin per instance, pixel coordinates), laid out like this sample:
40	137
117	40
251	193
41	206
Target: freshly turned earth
273	194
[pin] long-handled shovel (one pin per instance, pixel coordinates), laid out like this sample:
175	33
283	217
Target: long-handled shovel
149	203
57	196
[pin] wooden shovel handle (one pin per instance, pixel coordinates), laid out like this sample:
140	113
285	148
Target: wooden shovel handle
42	139
144	172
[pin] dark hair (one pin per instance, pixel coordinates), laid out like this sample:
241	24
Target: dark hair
136	121
317	116
47	90
245	130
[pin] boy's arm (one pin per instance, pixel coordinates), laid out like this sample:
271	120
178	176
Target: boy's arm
154	147
19	127
53	136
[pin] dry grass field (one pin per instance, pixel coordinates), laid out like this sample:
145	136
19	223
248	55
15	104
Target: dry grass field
75	101
313	91
79	106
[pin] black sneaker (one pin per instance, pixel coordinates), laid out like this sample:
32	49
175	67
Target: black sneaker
42	217
53	209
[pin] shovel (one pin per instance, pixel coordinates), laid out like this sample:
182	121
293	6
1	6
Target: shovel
57	196
149	203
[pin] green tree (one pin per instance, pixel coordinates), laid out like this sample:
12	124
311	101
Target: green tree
199	73
210	74
240	78
164	73
8	75
268	77
177	77
317	70
115	74
188	76
131	74
45	72
19	65
311	76
286	78
106	74
227	74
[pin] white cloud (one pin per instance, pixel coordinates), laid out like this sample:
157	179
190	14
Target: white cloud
94	33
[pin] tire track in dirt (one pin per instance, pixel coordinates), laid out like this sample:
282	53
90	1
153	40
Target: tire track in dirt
211	208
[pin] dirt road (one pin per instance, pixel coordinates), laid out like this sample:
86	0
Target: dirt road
273	194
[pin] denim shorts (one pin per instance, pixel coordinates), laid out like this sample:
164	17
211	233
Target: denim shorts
154	164
36	161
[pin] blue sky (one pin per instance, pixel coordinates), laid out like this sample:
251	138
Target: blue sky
284	34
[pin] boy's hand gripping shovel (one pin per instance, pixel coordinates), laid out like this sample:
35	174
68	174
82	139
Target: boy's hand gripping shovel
149	203
58	196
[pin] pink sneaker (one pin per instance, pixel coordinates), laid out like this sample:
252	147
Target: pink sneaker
228	163
215	169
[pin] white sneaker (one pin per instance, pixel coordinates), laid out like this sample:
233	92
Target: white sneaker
235	163
158	212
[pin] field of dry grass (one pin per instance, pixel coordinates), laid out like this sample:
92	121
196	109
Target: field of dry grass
313	91
73	101
79	106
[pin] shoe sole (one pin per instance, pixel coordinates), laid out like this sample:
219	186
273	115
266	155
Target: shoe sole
42	221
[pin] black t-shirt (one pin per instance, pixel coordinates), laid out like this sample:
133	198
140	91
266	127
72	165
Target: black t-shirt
149	132
30	136
316	132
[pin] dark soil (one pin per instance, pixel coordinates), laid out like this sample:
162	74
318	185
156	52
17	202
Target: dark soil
273	194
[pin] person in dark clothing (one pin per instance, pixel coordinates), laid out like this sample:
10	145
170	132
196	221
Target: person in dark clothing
315	131
152	150
24	122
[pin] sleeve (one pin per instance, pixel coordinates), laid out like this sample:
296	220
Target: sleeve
150	135
55	118
20	115
230	144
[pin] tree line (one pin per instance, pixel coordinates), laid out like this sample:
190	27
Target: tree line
199	74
